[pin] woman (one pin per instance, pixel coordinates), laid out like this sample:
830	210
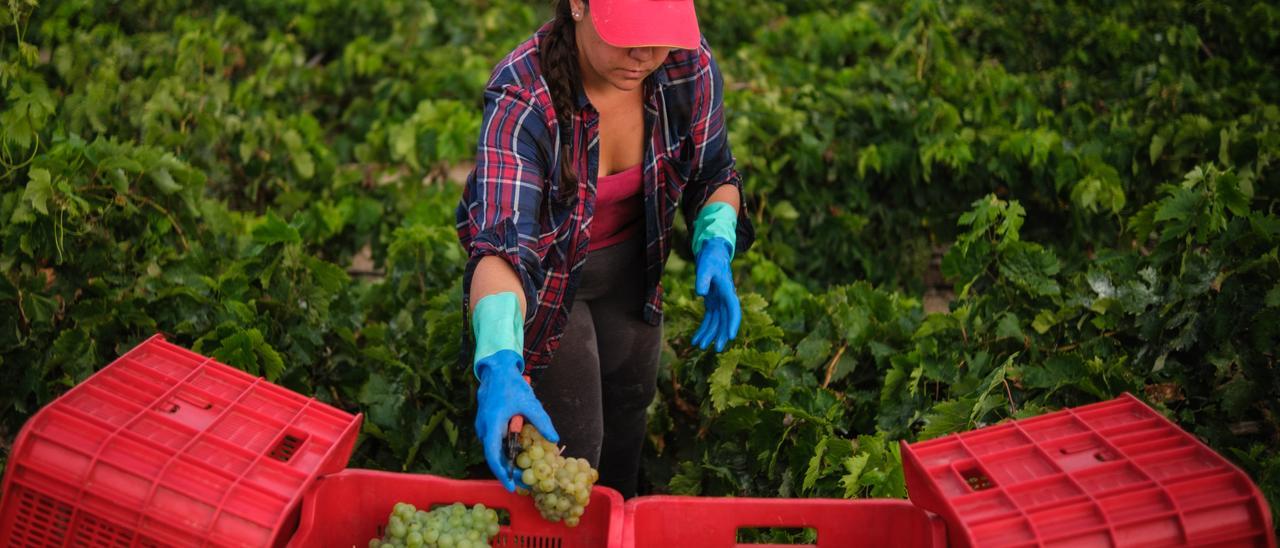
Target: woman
594	130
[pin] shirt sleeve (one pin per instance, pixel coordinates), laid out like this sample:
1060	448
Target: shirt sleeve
713	161
499	211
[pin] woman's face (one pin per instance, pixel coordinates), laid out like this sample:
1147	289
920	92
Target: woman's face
604	65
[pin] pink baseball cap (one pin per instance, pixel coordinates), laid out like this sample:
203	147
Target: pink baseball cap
640	23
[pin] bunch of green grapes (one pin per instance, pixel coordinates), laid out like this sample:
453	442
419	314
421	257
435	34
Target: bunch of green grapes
561	486
453	526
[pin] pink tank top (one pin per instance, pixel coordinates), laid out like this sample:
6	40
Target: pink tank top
619	208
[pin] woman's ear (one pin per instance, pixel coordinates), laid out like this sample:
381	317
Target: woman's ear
578	9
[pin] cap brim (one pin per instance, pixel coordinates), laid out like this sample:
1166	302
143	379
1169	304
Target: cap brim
646	23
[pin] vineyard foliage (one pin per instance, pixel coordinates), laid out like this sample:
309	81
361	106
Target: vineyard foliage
1091	185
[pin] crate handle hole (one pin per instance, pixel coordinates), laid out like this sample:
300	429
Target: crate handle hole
976	479
287	447
527	541
175	404
197	401
777	535
1101	457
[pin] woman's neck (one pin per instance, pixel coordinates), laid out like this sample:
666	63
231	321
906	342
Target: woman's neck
607	97
598	89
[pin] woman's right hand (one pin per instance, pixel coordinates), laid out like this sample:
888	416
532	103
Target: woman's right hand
504	394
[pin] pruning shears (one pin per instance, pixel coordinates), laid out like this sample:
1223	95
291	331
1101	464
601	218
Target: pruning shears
512	447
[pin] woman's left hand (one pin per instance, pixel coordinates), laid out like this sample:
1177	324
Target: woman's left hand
714	283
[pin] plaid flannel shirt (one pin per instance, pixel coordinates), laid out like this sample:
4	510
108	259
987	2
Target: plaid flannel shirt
508	207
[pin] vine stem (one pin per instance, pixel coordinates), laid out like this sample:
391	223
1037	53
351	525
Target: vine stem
831	365
182	237
1073	346
1013	409
442	401
9	169
681	404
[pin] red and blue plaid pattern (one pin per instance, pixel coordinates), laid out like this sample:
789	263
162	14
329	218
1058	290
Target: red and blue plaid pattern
509	207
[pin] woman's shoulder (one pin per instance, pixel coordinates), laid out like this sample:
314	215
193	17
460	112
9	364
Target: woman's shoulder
690	81
688	66
520	70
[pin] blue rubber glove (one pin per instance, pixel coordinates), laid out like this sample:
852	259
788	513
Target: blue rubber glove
714	283
503	393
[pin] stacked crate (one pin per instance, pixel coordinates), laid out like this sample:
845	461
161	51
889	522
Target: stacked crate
168	447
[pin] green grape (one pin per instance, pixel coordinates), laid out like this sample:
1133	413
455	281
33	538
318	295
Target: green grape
397	529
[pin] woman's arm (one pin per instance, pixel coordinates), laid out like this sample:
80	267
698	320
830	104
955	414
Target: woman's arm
713	202
498	216
494	275
713	177
728	194
498	223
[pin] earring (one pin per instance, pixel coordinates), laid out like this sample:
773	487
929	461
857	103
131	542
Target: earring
577	15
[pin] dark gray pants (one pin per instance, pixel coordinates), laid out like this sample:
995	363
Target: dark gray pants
603	377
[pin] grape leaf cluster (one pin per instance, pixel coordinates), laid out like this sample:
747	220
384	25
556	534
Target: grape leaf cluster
453	526
561	486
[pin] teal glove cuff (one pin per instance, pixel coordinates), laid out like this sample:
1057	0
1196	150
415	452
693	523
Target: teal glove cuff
498	325
716	220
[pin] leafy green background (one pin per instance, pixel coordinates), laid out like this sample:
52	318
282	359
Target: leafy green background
967	211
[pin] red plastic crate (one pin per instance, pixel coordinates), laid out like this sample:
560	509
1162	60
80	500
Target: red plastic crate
351	507
168	447
715	522
1114	473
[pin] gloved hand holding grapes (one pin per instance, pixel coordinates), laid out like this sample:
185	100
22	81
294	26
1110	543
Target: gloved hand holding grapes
503	392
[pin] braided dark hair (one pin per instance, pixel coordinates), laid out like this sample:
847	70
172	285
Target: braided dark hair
559	58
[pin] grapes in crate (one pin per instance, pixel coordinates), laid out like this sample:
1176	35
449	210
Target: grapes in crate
561	487
453	526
